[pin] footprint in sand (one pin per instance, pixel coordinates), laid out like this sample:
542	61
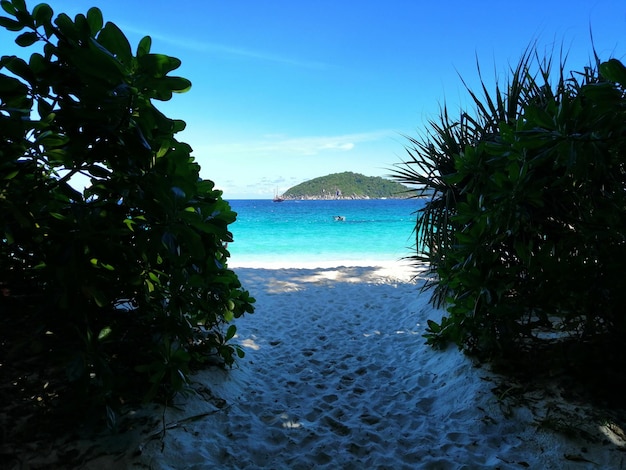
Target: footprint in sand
330	398
335	426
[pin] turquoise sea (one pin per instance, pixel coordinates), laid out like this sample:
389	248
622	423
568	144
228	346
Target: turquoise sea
306	231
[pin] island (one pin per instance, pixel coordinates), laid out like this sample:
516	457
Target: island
347	185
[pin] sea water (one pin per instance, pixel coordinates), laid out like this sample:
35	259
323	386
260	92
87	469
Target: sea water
323	230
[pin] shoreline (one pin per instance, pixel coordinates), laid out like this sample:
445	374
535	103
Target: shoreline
298	263
402	270
334	198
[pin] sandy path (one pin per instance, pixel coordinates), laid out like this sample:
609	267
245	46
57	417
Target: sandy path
337	376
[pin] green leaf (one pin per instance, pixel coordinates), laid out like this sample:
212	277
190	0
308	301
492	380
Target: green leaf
98	62
97	296
80	21
144	46
99	264
67	26
228	316
433	326
25	18
129	223
104	333
27	39
20	5
12	85
178	125
11	175
11	24
8	7
50	31
44	108
98	171
70	193
178	84
37	63
94	18
230	333
42	14
158	65
51	139
162	87
113	39
57	156
20	68
613	70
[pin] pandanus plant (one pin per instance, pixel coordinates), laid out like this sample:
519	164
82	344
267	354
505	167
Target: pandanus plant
525	209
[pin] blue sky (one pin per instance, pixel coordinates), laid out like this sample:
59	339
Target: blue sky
285	91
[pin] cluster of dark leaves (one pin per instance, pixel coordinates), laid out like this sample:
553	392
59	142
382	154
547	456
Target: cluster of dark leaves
525	228
111	293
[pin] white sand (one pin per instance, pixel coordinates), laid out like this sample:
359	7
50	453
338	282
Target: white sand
337	376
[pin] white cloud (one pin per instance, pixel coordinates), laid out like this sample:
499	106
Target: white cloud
338	146
260	167
280	145
201	46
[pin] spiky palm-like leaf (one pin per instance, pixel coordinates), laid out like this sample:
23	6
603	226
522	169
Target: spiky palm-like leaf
511	184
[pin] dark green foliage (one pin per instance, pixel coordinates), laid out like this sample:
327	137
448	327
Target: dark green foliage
525	231
119	289
347	185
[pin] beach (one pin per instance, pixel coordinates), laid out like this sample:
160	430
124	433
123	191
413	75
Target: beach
337	375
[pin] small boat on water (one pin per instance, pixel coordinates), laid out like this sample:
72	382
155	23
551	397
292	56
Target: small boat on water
339	218
277	198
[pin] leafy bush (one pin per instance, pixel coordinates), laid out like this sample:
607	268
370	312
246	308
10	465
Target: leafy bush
525	228
124	286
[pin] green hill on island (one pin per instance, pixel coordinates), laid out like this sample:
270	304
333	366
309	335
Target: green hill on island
347	185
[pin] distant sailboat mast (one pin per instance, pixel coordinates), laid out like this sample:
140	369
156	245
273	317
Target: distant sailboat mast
277	198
